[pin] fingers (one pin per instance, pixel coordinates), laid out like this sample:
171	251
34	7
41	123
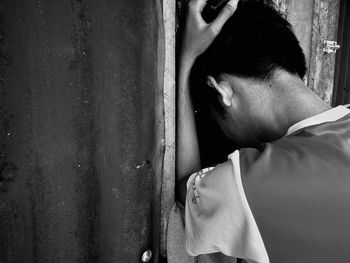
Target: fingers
224	15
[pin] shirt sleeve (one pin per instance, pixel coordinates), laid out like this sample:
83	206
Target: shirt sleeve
218	217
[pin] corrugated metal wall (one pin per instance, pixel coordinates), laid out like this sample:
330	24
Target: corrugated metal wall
81	126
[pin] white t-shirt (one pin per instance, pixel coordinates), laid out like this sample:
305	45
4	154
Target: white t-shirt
217	214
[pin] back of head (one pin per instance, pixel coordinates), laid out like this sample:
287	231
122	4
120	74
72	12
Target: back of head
254	43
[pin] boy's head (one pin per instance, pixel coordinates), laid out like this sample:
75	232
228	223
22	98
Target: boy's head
254	45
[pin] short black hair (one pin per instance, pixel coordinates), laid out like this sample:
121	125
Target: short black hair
255	42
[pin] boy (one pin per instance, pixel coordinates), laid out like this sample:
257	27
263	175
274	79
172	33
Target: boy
284	195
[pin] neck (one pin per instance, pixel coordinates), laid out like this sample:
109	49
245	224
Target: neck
294	102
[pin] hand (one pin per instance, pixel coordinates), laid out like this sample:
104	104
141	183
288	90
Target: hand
198	35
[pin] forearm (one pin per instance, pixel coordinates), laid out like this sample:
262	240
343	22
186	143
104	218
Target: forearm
187	150
198	35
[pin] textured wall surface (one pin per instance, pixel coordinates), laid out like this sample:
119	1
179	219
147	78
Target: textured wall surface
299	14
322	64
315	21
80	141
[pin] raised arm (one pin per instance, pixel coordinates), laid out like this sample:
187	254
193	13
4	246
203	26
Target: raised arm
198	35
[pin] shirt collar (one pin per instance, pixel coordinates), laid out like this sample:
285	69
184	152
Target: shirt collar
327	116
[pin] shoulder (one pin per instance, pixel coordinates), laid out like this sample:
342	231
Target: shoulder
213	185
217	215
211	173
189	185
222	168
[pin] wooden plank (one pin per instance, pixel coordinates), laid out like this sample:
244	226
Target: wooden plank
325	24
299	14
169	94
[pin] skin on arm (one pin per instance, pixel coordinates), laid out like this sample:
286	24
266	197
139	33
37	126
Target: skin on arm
198	35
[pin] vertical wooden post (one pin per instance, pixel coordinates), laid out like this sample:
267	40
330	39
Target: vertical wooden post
169	94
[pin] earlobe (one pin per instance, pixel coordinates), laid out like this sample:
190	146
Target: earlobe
224	88
211	82
227	100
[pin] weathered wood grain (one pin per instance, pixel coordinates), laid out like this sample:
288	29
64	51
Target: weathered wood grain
315	21
168	143
299	14
325	25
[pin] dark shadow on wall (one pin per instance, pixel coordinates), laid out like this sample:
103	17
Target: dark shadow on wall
341	92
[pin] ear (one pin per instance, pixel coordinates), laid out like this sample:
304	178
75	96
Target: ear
224	88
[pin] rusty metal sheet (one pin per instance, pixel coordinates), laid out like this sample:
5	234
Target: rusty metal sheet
79	83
